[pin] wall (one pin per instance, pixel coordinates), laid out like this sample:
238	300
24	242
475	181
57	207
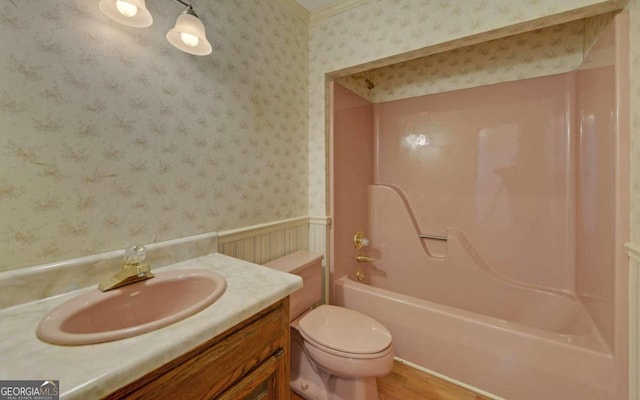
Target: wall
111	136
634	205
596	183
352	143
634	43
634	284
553	50
547	51
496	163
263	243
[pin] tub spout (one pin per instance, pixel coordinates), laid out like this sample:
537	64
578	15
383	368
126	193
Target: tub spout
364	259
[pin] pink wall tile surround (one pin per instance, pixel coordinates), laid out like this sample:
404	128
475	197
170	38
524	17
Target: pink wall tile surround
595	279
495	163
352	173
602	206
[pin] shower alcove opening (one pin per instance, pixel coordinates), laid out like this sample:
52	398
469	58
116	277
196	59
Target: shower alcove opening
492	182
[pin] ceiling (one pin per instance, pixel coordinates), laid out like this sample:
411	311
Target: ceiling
315	5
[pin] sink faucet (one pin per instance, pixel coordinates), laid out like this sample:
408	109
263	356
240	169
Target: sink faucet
132	271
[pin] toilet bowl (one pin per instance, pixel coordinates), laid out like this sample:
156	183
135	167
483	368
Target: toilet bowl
336	353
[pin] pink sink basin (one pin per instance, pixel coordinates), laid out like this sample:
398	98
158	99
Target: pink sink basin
131	310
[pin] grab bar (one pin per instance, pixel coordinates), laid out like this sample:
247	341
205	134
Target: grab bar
434	237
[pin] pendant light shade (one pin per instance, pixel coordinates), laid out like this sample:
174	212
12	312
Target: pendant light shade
127	12
188	35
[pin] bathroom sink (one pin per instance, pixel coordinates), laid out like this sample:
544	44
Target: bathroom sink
96	316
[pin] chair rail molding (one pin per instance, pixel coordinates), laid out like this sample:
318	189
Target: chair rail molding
261	243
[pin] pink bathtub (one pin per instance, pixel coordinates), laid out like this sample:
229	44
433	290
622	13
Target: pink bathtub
451	313
511	360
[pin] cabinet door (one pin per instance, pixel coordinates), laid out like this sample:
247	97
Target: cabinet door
233	364
261	384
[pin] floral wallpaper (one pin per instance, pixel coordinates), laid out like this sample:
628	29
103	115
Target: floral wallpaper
547	51
384	32
634	70
110	136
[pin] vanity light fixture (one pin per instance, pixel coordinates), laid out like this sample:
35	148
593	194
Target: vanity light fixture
187	35
128	12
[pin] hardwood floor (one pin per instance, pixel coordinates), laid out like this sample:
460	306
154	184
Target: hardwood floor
406	383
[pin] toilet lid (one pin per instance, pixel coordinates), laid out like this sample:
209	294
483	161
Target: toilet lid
345	330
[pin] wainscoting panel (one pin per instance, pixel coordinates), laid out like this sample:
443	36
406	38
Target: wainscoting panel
318	240
318	235
262	243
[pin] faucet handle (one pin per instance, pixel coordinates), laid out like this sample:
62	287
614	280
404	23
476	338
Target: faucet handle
359	241
134	254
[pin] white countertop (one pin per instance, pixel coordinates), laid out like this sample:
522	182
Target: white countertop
95	370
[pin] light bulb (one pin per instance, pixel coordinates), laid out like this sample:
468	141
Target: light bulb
127	9
189	39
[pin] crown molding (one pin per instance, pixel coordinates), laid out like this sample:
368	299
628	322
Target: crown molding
335	9
297	9
633	250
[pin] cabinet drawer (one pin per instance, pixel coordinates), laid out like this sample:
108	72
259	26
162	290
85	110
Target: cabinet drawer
259	384
210	369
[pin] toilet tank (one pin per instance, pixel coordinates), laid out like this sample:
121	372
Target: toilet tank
308	266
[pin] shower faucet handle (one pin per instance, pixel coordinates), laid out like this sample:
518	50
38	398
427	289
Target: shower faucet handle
359	241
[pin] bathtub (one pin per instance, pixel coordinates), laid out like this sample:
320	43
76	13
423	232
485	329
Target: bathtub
503	358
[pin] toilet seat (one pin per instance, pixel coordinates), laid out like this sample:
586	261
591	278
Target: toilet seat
345	333
344	354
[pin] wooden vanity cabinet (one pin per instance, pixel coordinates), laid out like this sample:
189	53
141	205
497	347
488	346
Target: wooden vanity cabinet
248	361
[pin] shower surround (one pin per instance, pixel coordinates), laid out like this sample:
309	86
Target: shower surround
528	183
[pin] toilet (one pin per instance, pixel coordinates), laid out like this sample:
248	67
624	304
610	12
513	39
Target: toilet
336	353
